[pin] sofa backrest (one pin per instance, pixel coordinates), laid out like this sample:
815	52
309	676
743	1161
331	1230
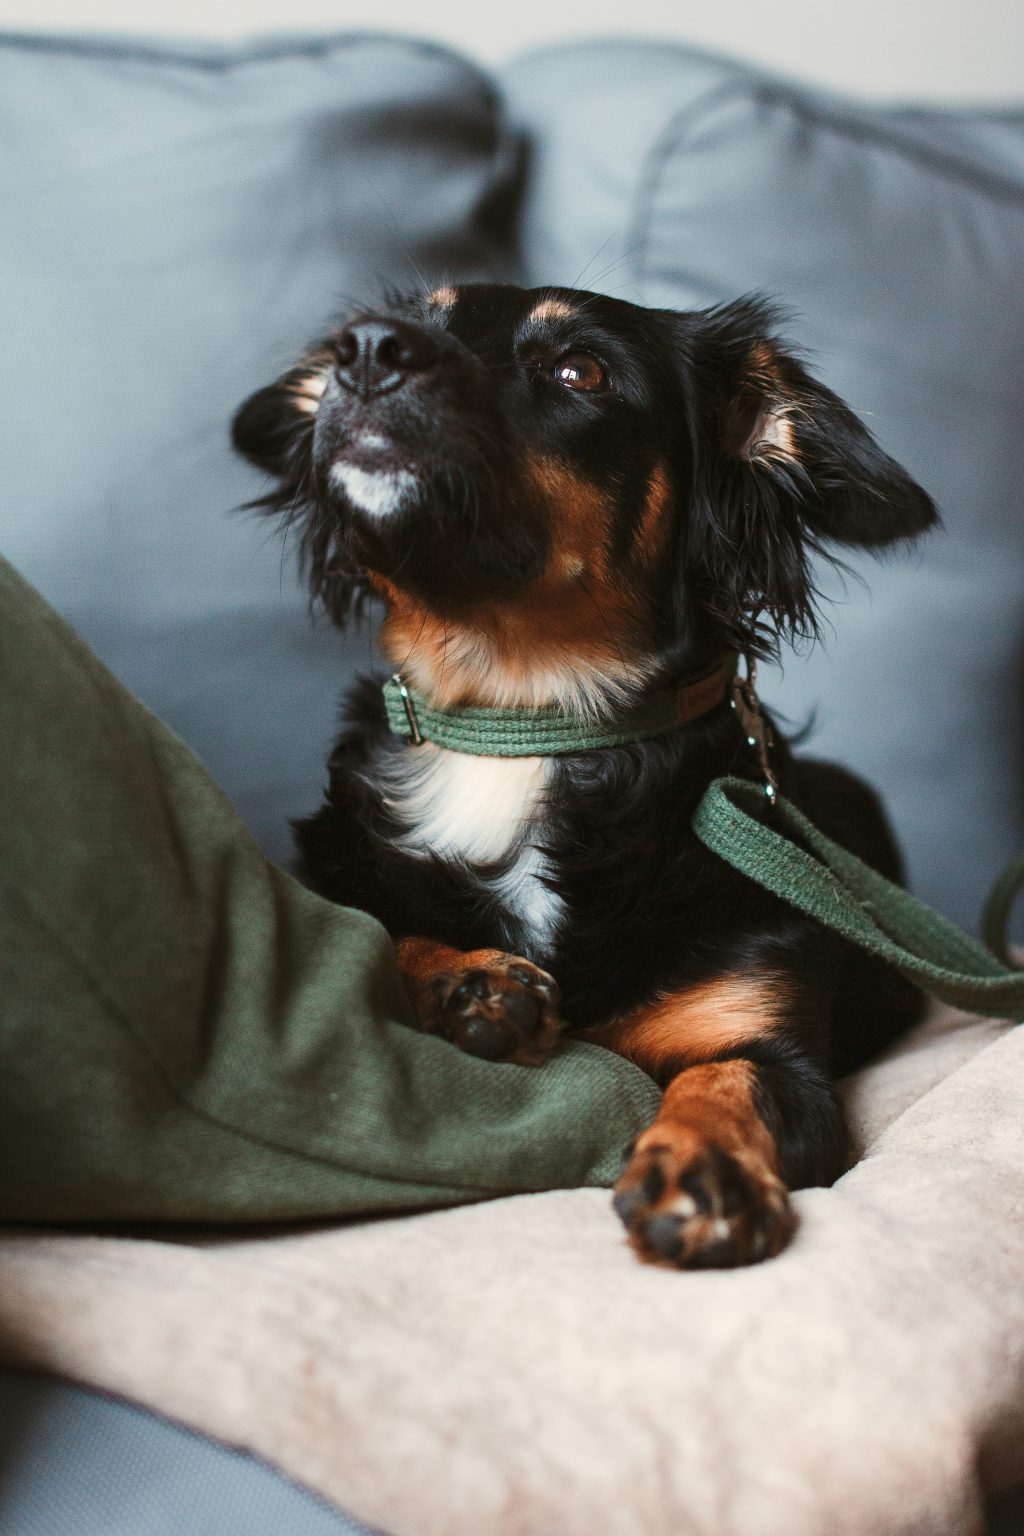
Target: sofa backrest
896	240
177	224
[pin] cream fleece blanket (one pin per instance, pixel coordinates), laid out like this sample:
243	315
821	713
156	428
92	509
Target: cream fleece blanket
509	1370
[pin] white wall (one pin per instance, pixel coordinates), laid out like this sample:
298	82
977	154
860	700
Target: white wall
915	49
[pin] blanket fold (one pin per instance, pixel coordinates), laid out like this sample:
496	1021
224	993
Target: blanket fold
188	1034
523	1374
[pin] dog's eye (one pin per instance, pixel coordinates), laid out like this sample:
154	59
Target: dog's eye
579	370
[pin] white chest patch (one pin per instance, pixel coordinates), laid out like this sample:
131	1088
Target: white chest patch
479	811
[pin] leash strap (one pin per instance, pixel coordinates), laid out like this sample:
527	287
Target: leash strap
842	892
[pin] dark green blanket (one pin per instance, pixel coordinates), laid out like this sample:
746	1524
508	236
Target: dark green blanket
187	1034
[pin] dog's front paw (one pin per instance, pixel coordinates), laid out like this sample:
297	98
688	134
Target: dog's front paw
688	1204
502	1009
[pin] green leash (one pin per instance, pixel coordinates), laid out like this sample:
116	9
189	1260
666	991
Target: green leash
829	884
840	891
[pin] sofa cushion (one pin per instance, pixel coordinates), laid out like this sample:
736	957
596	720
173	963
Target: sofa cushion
177	224
672	178
81	1464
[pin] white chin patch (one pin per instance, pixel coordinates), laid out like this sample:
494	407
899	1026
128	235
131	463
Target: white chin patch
377	491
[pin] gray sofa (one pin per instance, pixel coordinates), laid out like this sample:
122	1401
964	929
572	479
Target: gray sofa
178	222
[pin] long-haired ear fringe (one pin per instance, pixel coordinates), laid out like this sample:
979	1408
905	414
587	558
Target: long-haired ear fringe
273	429
752	561
784	469
774	413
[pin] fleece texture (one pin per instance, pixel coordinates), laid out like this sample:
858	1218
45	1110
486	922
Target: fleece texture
509	1369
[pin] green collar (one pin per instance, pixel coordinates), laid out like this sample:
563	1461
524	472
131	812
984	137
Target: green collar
550	731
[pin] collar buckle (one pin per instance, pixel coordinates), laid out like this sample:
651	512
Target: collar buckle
410	709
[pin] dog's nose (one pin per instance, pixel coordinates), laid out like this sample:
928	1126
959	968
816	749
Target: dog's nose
377	356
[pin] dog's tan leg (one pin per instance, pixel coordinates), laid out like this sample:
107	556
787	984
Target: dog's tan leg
488	1003
745	1113
702	1187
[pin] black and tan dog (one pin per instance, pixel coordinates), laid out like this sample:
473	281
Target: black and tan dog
566	500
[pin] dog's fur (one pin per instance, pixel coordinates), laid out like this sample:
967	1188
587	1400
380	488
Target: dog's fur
562	498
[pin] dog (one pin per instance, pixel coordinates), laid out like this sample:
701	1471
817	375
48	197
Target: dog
572	505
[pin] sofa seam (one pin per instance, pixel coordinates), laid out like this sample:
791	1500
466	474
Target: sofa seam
221	57
668	142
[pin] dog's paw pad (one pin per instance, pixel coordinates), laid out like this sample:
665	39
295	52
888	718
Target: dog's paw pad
506	1010
691	1205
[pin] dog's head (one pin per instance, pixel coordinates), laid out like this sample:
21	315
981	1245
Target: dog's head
560	495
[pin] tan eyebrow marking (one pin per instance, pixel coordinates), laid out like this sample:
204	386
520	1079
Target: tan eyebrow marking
552	309
443	298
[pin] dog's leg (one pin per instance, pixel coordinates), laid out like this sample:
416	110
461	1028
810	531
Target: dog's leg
703	1187
746	1116
486	1002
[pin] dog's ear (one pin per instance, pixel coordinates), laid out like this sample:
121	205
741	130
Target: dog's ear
782	468
273	429
775	419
